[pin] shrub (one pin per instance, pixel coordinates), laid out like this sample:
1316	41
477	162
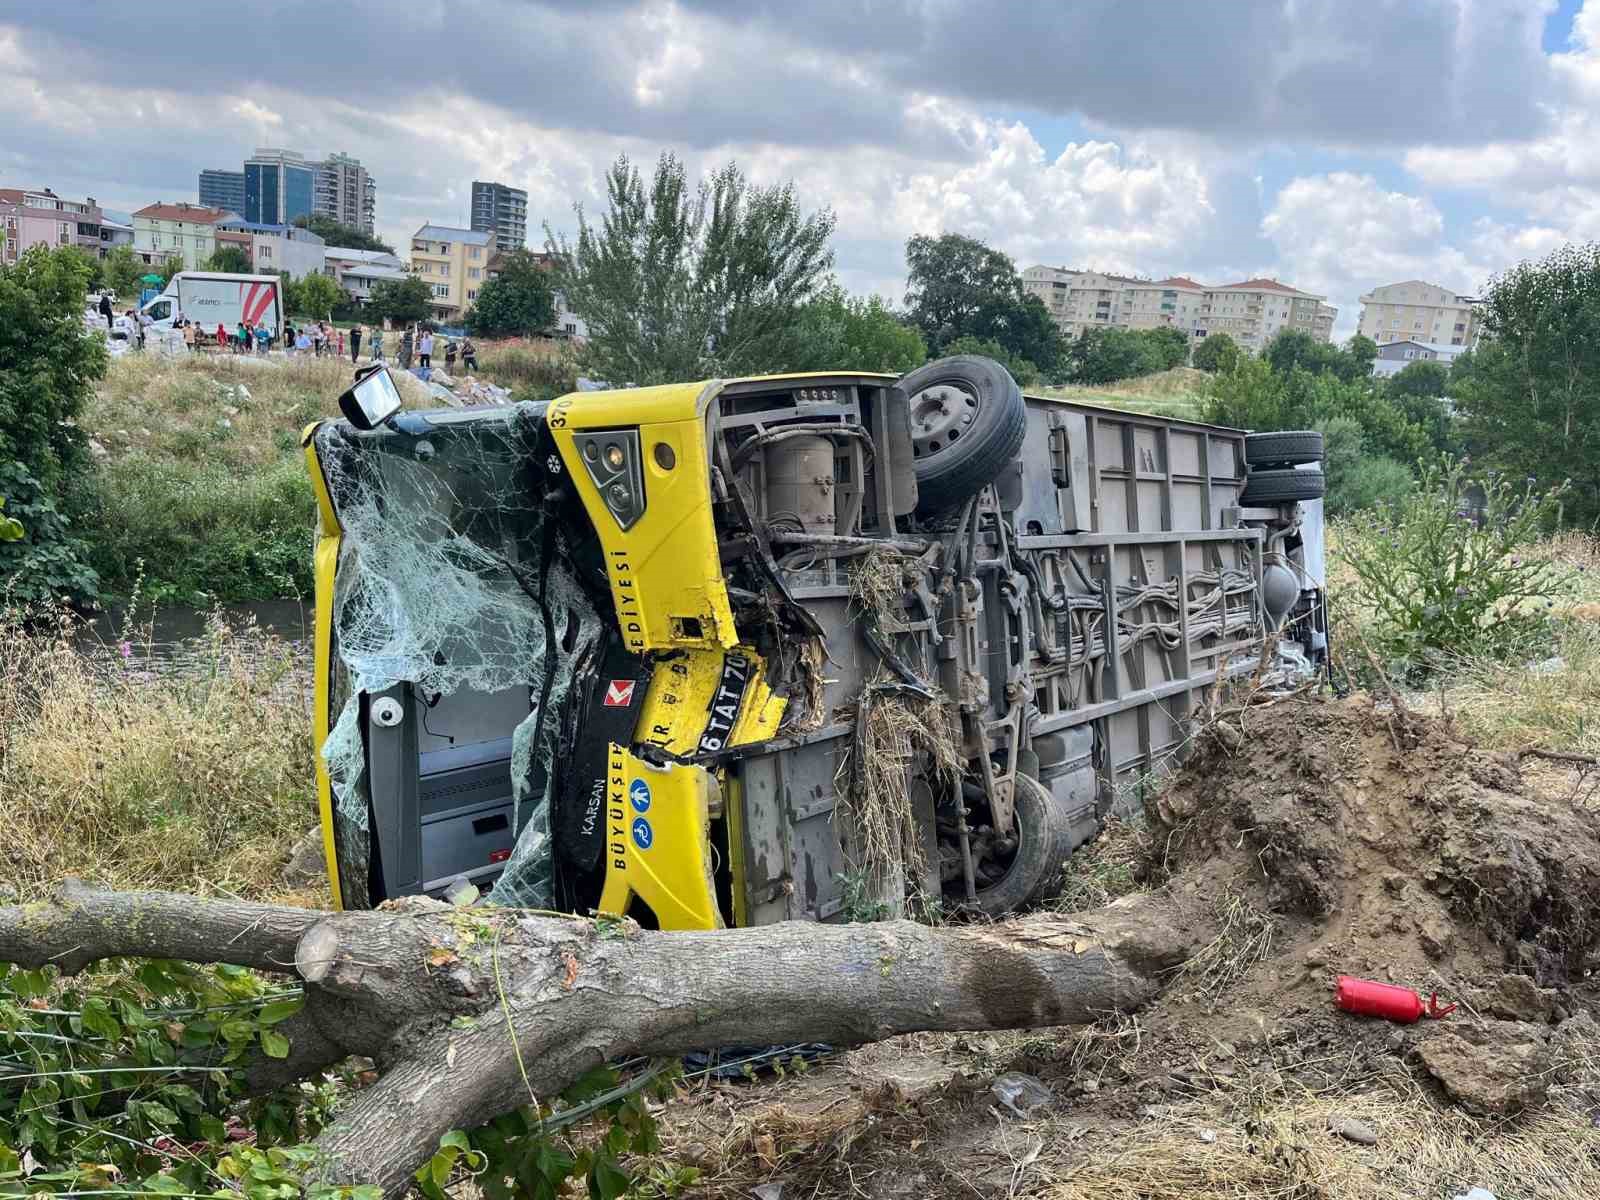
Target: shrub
41	558
1218	352
1357	480
1440	580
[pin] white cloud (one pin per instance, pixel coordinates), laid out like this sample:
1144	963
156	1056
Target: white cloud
1341	233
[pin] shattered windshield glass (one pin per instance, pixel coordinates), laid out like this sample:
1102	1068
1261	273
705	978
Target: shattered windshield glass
456	571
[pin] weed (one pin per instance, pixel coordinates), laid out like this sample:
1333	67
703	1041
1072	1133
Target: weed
114	770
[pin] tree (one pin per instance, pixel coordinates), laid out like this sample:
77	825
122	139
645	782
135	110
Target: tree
1024	372
676	283
401	300
1424	379
1360	350
48	365
1169	347
958	287
1218	352
316	296
336	233
1358	480
1107	355
519	302
1528	397
468	1012
837	331
231	259
121	271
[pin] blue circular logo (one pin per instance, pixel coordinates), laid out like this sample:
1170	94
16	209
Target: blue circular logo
642	833
639	795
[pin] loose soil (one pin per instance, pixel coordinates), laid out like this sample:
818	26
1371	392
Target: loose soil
1328	837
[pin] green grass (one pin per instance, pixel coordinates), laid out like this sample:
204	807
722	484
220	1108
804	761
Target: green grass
200	485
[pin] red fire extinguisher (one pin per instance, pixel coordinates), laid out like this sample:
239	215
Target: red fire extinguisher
1371	999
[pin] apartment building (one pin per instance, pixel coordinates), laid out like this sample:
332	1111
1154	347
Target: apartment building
222	189
1394	357
37	216
344	191
1251	311
287	249
501	211
182	230
1416	311
452	262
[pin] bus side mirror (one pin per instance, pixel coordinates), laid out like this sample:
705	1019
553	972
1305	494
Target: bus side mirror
372	399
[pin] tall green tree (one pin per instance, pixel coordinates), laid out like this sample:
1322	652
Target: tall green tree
1218	352
336	233
677	282
1529	396
518	302
958	287
316	296
401	300
121	271
1424	379
232	259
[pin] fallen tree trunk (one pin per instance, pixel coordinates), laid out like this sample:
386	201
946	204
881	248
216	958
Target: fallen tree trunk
548	999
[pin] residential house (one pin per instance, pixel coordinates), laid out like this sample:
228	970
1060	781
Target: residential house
356	271
286	249
1414	310
116	229
1394	357
37	216
182	230
452	262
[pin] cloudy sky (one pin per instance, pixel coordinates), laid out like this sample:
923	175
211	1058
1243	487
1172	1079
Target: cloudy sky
1332	144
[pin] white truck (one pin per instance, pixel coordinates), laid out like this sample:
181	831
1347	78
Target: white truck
212	298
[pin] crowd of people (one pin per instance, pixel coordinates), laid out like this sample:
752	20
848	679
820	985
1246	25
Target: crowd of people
316	338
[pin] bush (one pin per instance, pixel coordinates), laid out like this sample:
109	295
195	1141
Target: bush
1440	580
537	370
42	559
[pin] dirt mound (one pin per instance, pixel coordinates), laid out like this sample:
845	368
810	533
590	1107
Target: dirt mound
1385	845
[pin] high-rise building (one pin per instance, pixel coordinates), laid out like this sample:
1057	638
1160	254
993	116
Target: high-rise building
345	192
222	189
1419	312
1251	312
501	211
279	186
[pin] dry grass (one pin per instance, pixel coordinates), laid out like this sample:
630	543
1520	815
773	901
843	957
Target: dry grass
1276	1144
1108	867
1244	938
116	772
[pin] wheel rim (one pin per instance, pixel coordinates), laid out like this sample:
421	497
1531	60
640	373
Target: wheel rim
940	416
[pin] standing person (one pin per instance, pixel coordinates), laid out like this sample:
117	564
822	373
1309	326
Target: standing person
145	321
302	341
425	348
188	334
355	343
450	355
377	343
105	308
262	339
222	337
405	349
341	343
243	333
469	355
